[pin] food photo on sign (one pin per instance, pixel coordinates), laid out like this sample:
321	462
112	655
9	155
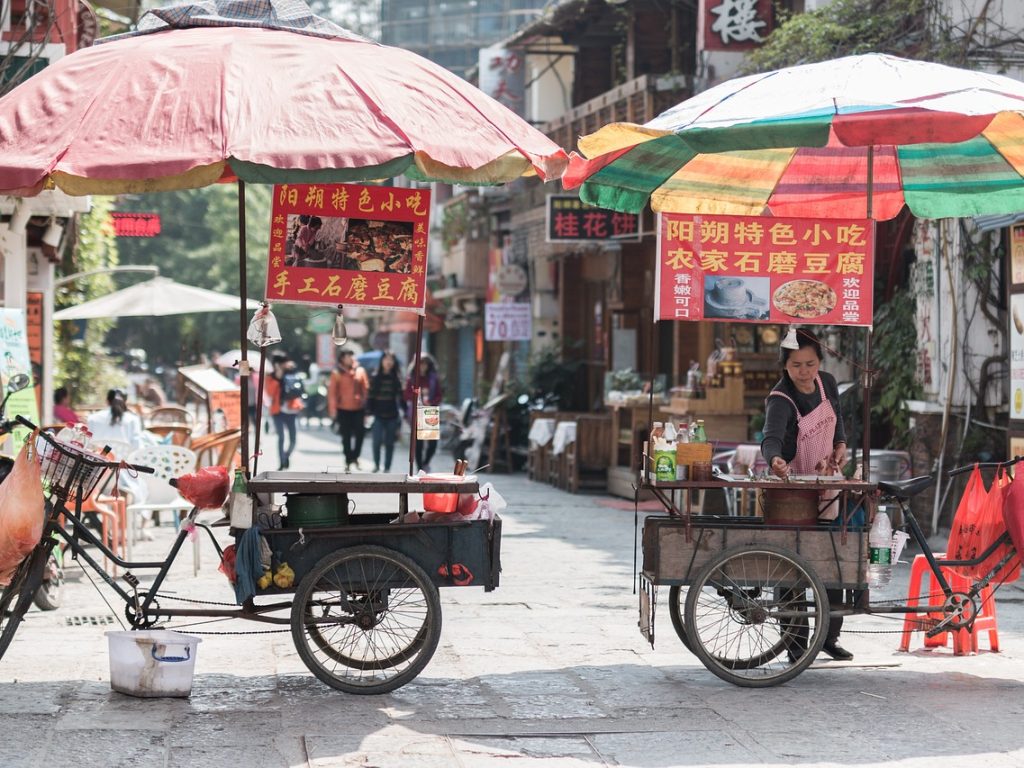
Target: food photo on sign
351	244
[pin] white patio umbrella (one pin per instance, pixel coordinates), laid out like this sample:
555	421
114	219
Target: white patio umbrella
158	297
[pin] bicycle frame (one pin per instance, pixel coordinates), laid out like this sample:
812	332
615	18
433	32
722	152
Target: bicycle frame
936	566
147	610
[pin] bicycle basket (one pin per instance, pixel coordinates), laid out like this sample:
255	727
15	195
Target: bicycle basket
66	468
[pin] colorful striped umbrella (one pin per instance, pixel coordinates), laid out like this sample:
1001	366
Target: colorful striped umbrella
944	141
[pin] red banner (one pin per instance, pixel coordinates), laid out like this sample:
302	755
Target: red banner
761	269
349	244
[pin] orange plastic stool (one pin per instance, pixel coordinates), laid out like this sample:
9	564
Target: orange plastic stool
964	641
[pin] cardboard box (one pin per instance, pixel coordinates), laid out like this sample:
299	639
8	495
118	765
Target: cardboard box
719	400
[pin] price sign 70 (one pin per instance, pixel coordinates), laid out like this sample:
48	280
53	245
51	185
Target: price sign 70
507	322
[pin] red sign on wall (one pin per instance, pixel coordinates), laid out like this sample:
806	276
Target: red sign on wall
136	224
736	25
764	269
349	244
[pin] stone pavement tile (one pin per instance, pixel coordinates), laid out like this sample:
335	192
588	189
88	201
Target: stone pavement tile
671	749
24	739
490	751
105	748
223	728
552	707
233	693
440	699
95	705
256	753
33	698
392	747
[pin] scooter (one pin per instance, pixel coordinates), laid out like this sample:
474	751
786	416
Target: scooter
47	597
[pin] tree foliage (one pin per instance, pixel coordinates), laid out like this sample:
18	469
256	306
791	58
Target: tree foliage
197	245
80	360
917	29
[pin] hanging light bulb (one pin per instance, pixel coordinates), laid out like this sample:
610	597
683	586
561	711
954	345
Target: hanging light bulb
339	335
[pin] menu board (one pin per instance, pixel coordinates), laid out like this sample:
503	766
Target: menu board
764	269
355	244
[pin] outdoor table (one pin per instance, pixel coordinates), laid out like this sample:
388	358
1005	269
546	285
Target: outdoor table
541	431
565	433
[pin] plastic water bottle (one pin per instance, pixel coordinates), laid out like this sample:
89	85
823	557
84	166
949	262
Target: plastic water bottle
880	549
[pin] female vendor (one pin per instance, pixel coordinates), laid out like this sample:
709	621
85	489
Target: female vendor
804	435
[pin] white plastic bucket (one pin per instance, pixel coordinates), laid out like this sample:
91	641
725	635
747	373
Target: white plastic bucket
152	662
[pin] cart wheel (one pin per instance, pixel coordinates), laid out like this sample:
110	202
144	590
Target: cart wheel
676	603
748	606
366	619
17	595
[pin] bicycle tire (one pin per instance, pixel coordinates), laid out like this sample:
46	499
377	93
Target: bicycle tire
18	595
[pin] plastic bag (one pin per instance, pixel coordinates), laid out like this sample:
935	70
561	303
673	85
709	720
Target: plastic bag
1013	512
993	525
22	511
207	488
966	517
982	529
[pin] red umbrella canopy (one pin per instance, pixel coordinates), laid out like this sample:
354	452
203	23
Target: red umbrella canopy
264	91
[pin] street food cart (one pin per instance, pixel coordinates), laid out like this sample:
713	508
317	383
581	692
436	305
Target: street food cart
732	172
351	576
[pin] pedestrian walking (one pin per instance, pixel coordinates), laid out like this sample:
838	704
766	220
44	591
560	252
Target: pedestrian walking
346	403
284	389
383	403
429	383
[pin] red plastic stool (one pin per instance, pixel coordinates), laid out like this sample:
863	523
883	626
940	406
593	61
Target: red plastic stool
964	642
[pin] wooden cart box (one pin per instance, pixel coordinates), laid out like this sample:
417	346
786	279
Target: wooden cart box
669	559
475	545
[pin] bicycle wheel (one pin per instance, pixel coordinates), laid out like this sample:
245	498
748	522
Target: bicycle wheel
749	605
366	619
676	606
17	596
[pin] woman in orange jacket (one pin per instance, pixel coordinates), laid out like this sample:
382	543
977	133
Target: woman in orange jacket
346	404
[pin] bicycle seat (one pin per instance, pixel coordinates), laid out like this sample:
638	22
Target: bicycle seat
904	489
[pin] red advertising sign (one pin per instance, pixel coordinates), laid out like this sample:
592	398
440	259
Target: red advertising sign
136	224
349	244
764	269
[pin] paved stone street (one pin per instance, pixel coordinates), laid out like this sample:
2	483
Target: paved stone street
548	670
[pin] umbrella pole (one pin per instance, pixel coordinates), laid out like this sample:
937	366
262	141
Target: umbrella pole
259	410
415	394
866	405
243	365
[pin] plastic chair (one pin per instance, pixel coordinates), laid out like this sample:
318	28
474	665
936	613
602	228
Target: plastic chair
171	414
964	641
180	434
218	449
167	461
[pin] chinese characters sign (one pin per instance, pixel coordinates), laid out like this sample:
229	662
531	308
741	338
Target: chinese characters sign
1017	356
736	25
136	224
349	244
502	76
572	220
763	269
1017	254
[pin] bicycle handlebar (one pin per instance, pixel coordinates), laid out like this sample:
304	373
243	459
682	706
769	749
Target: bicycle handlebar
110	464
985	465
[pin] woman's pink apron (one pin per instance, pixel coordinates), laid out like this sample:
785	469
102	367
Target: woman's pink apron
815	438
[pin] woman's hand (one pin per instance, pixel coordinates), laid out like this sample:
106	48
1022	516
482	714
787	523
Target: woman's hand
780	467
838	458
